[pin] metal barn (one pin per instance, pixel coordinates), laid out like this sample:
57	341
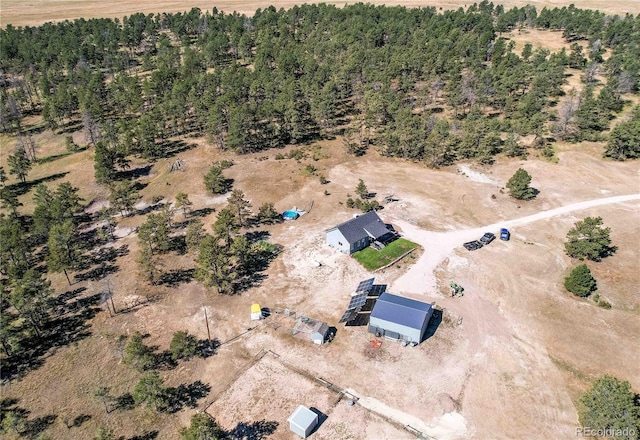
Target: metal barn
400	318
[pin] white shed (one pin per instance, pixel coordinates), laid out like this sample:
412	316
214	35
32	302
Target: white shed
302	421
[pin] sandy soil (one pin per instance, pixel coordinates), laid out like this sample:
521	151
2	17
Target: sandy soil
34	12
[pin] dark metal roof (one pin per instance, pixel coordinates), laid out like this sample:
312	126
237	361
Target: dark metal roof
354	229
400	310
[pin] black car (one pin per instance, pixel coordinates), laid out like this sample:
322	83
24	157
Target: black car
472	245
487	238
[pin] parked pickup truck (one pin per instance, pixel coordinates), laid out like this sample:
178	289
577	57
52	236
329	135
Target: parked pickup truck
472	245
487	238
505	234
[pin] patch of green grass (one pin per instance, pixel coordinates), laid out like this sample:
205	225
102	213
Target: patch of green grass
372	259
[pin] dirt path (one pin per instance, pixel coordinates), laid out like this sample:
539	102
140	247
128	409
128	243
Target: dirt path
440	245
451	425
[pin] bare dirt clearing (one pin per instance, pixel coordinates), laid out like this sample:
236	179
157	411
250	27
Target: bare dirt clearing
35	12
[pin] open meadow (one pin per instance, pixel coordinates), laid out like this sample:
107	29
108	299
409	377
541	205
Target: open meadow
35	12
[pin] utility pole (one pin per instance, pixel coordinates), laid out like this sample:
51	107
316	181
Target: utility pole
110	294
206	319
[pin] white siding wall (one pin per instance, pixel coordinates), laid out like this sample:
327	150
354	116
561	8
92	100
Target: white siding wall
336	239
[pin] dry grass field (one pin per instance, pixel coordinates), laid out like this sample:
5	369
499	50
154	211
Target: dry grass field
35	12
516	348
509	359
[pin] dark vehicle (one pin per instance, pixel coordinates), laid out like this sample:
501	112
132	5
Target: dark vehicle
487	238
505	234
472	245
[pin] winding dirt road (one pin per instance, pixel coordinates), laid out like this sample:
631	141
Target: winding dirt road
439	245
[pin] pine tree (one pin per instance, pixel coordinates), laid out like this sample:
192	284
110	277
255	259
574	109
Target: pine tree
19	164
611	404
215	182
183	345
214	266
64	249
580	282
202	427
362	190
240	206
183	202
589	239
518	186
150	390
137	354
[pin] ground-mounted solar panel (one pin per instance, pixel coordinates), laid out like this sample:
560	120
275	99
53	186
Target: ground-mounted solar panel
378	290
365	285
357	301
349	315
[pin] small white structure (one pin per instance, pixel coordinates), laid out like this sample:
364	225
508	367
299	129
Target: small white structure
256	312
302	421
311	329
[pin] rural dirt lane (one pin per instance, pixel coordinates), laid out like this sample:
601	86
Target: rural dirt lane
439	245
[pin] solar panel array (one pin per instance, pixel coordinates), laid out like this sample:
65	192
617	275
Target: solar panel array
365	285
378	290
349	315
357	301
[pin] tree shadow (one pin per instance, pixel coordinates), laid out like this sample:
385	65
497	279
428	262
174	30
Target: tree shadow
164	361
70	327
105	254
173	147
178	244
253	431
606	251
259	261
146	436
137	303
134	173
207	349
69	127
124	402
55	157
256	236
226	184
175	277
61	303
21	188
186	395
150	208
35	427
202	212
248	281
78	421
97	273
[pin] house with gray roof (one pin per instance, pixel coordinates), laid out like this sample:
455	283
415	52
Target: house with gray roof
358	233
